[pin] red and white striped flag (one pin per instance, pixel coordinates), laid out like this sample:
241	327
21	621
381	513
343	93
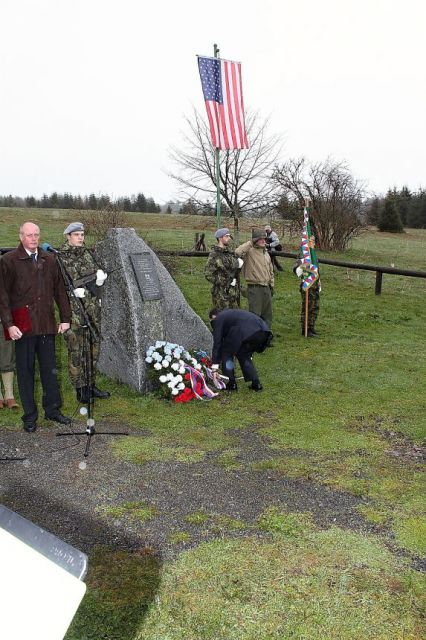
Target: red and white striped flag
223	95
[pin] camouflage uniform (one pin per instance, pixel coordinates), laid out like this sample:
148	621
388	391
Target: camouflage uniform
313	306
313	302
220	270
80	262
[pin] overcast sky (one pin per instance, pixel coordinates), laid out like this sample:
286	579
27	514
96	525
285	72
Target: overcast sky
93	92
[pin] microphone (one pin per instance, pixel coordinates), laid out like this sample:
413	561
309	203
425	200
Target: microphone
48	247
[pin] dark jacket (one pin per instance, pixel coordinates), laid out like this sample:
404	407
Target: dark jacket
231	328
36	285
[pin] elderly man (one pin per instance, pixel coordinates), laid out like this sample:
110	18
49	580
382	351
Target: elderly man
222	270
87	278
238	333
30	282
259	275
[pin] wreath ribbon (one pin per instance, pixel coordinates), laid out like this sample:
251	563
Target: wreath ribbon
198	384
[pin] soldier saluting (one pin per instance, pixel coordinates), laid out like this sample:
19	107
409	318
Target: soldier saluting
222	270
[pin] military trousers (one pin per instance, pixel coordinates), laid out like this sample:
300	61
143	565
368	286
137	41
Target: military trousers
260	301
83	355
313	305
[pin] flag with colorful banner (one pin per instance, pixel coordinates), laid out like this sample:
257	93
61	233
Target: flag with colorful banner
308	256
223	95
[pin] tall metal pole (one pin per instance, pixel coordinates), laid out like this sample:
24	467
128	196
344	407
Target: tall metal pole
216	158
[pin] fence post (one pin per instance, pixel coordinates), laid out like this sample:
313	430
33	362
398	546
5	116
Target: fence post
379	276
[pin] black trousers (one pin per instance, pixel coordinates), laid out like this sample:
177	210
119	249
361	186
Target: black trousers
257	342
26	350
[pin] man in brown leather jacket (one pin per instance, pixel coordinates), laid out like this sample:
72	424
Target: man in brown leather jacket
30	282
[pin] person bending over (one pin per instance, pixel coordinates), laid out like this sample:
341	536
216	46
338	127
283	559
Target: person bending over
238	334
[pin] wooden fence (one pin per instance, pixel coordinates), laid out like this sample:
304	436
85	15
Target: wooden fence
335	263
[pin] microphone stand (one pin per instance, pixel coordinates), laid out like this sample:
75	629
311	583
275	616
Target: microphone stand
91	334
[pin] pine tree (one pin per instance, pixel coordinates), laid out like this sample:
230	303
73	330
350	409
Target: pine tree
403	203
92	202
390	219
417	211
141	203
373	212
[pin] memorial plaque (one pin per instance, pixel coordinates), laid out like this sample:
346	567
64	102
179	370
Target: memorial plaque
146	276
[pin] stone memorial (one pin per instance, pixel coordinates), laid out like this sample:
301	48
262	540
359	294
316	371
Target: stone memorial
141	303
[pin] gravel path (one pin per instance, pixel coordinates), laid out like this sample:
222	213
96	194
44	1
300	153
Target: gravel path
51	489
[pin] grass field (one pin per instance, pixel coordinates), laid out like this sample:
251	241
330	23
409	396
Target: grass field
345	411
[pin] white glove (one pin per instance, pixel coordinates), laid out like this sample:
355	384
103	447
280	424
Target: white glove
101	276
233	283
79	292
240	263
215	367
299	272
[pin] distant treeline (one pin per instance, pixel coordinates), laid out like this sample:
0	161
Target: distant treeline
398	209
137	203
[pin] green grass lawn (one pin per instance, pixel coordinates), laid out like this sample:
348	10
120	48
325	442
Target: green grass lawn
347	410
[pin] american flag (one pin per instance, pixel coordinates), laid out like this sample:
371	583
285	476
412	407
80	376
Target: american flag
308	259
223	94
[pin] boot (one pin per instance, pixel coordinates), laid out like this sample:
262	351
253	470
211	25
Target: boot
231	386
256	386
97	393
311	333
83	395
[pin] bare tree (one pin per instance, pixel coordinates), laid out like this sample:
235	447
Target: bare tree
335	195
98	222
245	174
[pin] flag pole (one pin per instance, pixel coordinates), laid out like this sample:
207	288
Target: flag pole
306	311
216	156
307	204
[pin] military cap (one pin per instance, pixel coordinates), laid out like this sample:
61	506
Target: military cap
222	232
268	227
258	234
74	226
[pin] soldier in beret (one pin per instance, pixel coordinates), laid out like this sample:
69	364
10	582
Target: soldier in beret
87	279
222	270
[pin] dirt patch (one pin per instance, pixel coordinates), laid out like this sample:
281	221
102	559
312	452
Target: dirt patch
67	494
401	447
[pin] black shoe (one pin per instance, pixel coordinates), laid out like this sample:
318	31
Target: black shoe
57	416
97	393
256	386
83	395
30	427
231	386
